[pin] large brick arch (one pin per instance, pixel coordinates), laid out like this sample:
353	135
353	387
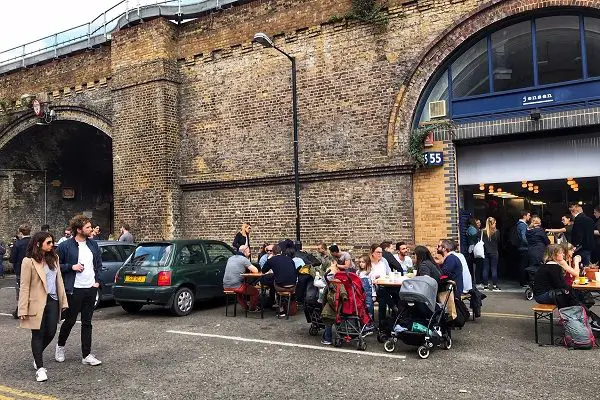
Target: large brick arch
64	113
447	42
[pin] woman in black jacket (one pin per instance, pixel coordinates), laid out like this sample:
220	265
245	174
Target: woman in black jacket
242	237
425	263
537	241
549	285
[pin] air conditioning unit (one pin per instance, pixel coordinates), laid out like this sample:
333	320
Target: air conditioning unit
437	109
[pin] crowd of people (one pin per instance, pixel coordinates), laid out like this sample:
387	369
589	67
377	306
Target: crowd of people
286	267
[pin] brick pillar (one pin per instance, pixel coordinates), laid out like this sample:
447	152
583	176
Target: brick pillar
146	129
435	199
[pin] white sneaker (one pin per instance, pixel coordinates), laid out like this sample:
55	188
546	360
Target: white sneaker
91	360
40	375
59	354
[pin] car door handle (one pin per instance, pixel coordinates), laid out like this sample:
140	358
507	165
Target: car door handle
104	269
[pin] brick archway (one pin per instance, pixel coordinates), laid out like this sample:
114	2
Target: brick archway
64	113
446	43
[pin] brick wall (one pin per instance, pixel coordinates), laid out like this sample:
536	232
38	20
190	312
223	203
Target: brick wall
146	129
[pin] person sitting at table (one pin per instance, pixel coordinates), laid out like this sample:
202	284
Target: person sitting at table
549	285
234	281
284	273
386	296
452	266
425	264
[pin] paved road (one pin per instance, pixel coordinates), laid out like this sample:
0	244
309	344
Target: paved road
207	356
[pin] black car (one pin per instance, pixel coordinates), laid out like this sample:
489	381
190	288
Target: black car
113	255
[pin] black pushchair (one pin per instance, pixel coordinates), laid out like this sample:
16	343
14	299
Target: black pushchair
312	310
421	321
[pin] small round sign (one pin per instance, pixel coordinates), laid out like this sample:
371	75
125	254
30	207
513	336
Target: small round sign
37	107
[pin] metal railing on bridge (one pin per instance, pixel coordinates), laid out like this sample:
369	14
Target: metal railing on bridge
100	29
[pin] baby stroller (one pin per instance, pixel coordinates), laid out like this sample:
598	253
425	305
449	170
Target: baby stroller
422	322
312	310
530	274
346	297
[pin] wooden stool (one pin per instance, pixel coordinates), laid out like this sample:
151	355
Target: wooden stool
288	294
544	311
228	294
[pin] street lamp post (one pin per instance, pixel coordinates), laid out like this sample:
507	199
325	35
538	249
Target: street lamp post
267	42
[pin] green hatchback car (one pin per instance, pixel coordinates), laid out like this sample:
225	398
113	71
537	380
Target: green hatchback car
172	273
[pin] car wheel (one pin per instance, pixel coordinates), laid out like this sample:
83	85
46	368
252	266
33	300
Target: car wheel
131	308
183	302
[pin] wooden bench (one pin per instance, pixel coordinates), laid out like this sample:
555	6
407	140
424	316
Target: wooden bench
544	311
288	294
228	294
467	297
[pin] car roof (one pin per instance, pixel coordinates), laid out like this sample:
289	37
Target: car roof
183	242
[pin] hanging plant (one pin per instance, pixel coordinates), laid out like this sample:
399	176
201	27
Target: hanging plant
368	11
417	139
3	110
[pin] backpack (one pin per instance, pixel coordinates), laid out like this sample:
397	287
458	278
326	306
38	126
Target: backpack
514	237
462	314
578	332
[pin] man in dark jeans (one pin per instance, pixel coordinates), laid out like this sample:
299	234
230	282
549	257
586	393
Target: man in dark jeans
582	235
17	254
522	225
80	262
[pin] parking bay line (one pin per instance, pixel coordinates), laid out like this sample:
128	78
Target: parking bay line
21	394
285	344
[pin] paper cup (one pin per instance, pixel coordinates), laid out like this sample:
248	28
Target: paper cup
597	276
582	280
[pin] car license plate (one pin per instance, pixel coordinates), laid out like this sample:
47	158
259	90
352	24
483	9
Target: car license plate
135	278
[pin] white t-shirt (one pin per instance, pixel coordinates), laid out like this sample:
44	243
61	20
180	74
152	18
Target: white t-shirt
466	274
86	278
379	269
407	263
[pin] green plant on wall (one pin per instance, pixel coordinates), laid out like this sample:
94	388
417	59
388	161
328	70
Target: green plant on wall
416	143
367	11
3	110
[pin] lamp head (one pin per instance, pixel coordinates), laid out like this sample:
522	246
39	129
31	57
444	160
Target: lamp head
263	39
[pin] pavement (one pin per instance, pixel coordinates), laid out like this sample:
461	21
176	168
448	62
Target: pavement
206	355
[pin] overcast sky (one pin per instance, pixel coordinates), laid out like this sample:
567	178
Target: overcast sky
23	21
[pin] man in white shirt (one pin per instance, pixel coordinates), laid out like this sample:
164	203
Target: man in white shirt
466	274
80	263
402	256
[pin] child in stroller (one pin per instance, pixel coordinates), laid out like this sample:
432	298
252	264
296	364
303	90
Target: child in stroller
422	321
345	308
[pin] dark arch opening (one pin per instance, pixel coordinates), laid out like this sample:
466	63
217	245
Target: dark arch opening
48	173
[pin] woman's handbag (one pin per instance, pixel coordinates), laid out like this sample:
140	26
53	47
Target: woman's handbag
478	249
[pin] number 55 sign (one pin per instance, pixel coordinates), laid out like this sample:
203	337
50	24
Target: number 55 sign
433	158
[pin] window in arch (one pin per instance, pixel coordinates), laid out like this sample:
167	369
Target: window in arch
439	92
558	49
592	45
470	72
512	66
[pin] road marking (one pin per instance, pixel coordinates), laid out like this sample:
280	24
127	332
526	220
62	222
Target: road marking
20	393
285	344
503	315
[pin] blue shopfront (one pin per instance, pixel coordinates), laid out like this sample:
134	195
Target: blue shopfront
525	98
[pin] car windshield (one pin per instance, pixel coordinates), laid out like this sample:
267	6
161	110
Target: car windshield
152	255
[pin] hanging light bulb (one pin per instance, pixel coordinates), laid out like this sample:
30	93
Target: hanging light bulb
530	184
536	191
525	182
530	188
524	185
491	187
570	181
536	187
482	186
576	189
499	190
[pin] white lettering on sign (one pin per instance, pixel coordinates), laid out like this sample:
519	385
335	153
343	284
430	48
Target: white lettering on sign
538	99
